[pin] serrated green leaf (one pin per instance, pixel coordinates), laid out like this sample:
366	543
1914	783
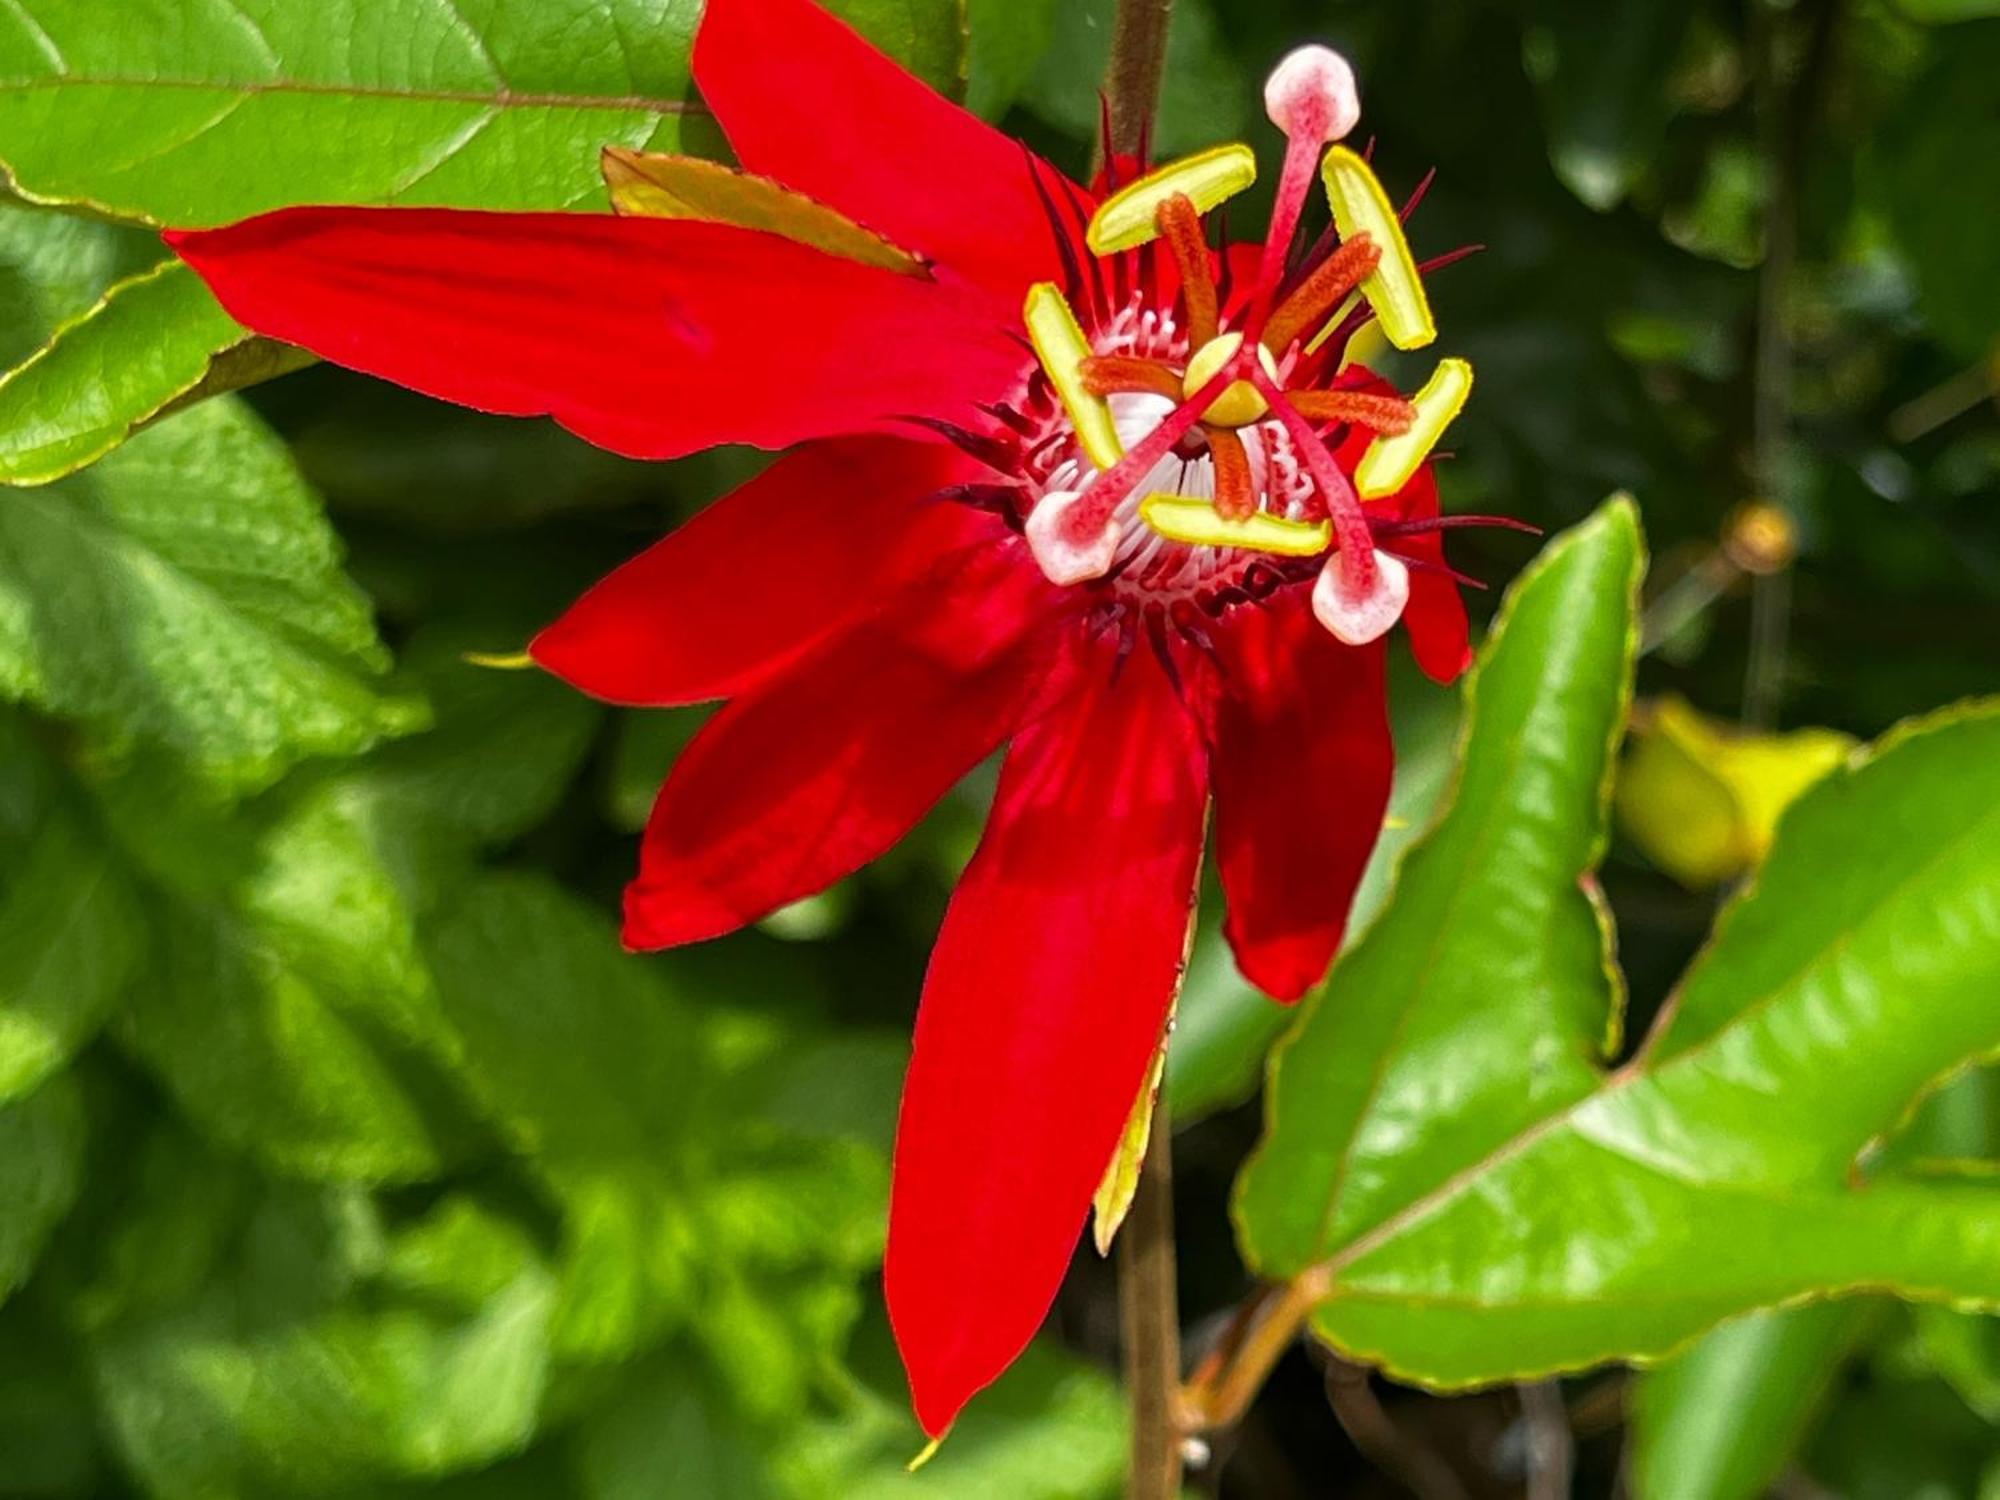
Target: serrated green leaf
177	112
71	935
187	591
202	1407
1722	1420
289	1010
41	1168
153	338
1584	1216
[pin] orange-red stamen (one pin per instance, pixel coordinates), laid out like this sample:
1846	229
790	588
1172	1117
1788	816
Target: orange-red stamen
1180	225
1113	374
1235	490
1335	277
1386	414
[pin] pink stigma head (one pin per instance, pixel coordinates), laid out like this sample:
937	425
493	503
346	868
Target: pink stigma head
1312	94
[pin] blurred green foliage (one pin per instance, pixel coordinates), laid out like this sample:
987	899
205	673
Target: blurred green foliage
342	1152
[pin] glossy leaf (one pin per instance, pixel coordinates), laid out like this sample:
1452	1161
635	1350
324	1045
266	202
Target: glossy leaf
187	591
174	112
177	112
153	338
1450	1167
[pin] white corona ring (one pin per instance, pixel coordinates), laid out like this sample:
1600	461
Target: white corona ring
1312	93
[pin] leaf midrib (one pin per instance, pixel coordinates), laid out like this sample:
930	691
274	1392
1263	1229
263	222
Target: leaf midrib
1641	1067
498	98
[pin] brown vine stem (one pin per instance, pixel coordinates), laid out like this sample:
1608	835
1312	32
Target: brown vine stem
1138	63
1149	1319
1148	1299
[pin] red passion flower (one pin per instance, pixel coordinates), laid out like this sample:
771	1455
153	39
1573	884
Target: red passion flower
1065	477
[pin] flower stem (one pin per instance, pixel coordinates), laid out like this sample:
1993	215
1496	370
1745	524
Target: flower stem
1138	62
1149	1317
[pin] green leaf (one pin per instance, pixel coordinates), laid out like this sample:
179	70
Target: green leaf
187	591
1052	1428
174	112
280	1380
71	936
691	1195
1491	903
153	338
41	1168
52	268
289	1010
1723	1420
1449	1173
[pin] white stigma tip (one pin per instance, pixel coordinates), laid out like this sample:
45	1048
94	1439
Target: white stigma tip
1060	559
1312	93
1355	618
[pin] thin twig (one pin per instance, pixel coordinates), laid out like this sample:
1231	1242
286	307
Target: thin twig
1420	1470
1551	1443
1138	63
1149	1314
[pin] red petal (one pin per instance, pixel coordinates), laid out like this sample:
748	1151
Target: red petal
1046	996
1302	765
651	337
1440	635
768	570
807	101
789	789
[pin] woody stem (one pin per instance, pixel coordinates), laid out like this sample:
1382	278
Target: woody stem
1138	62
1149	1319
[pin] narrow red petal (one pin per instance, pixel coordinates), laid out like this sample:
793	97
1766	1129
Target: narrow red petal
804	781
1047	993
650	337
1440	633
1302	765
823	535
807	101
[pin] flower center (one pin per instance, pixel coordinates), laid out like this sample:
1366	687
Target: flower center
1187	454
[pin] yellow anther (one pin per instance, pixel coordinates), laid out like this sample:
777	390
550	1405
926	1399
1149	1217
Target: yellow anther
1125	219
1180	518
1390	461
1393	289
1240	403
1062	349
